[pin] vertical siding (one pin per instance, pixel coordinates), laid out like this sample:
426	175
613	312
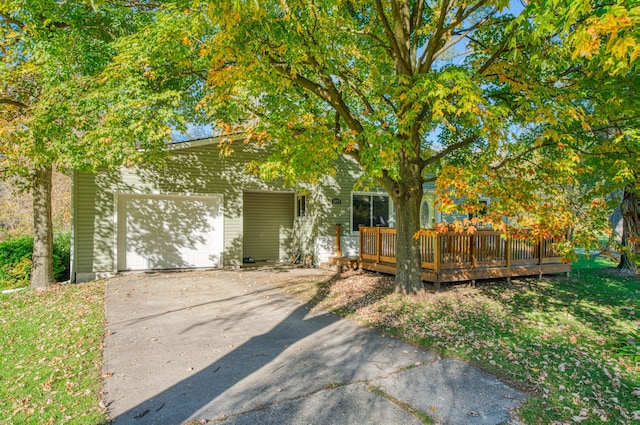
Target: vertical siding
192	170
322	214
267	225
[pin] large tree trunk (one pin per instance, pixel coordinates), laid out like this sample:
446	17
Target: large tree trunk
407	196
630	230
42	258
408	264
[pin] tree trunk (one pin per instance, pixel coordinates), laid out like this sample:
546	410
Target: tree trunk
408	262
630	230
42	258
407	195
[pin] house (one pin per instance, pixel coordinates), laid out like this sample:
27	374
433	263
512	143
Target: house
205	210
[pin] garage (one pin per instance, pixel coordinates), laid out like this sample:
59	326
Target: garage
169	231
267	226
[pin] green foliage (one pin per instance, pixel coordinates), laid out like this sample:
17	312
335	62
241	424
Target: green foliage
50	49
61	255
496	103
15	260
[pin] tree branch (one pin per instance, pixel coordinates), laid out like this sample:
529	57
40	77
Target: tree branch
395	47
4	101
437	157
520	155
416	15
464	34
426	59
11	20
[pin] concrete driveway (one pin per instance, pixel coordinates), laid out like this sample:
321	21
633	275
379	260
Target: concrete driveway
227	347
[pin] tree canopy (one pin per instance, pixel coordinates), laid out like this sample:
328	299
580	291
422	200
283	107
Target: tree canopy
513	101
48	52
492	97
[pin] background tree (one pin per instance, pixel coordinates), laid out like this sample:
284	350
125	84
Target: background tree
607	35
47	49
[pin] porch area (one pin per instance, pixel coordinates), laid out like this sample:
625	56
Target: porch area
457	257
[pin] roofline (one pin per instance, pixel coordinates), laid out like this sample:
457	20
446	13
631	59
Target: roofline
205	141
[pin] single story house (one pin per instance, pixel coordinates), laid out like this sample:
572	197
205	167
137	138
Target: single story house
203	210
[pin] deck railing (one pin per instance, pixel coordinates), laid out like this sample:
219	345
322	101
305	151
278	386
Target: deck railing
453	256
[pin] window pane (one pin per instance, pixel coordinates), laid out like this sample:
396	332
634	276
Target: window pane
361	211
302	206
425	216
381	211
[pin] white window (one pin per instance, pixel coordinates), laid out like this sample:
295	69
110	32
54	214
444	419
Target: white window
301	206
370	209
427	211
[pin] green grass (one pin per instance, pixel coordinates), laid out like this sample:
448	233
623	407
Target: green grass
50	346
563	340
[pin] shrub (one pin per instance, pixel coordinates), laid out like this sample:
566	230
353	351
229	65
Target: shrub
61	255
15	260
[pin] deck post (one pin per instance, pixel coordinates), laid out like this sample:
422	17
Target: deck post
472	251
507	254
436	259
361	247
338	248
540	242
378	244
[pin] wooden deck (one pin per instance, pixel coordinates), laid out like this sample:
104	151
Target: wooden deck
457	257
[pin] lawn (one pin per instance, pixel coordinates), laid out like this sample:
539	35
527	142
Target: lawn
568	342
50	346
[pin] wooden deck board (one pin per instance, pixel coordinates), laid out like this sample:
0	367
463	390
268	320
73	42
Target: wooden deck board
458	257
462	275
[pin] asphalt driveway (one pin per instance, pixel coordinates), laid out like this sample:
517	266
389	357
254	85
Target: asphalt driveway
227	347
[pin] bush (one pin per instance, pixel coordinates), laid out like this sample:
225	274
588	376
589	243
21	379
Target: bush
61	255
15	260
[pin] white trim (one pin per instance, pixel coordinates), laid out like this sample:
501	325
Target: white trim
205	142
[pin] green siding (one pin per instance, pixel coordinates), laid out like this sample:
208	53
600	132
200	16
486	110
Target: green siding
267	225
198	168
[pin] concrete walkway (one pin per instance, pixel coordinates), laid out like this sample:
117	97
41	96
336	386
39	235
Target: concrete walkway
226	347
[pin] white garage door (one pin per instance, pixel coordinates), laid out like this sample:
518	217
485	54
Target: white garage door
169	232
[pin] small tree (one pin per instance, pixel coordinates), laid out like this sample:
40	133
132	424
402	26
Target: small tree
47	50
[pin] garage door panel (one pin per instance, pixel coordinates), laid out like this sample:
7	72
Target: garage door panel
169	232
268	222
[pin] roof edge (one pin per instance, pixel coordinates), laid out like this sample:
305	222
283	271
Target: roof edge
206	141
